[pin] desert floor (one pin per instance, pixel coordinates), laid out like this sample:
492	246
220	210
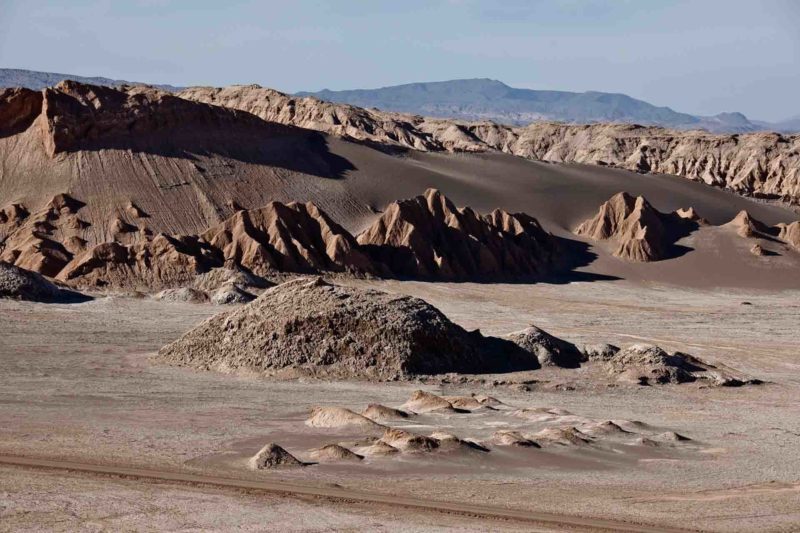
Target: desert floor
77	384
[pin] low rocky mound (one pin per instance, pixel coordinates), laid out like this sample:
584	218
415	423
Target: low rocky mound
378	449
217	278
641	232
424	402
381	413
231	294
406	441
549	350
506	437
273	456
599	352
563	436
184	294
429	237
20	284
650	365
338	417
333	453
341	332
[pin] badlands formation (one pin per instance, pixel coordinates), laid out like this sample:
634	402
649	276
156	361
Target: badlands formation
534	319
756	164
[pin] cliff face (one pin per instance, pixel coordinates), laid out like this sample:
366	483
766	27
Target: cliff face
757	164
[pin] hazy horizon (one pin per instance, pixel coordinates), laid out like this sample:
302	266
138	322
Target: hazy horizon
699	58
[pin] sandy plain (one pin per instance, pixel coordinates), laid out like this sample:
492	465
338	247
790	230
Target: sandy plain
91	394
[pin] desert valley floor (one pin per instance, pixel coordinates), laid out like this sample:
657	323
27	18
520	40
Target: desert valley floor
90	394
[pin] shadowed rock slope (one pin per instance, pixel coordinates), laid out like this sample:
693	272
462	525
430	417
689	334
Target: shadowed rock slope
641	232
347	332
429	237
756	164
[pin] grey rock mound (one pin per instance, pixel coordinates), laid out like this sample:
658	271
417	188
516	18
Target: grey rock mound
19	284
184	294
645	364
273	456
230	294
341	332
216	278
333	453
599	352
549	350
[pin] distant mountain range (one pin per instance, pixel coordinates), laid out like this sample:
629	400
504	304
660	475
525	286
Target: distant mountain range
485	99
482	99
12	77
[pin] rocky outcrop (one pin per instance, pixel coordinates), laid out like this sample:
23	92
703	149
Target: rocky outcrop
287	238
162	262
44	241
756	164
20	284
790	234
745	225
549	350
272	456
429	237
650	365
18	109
341	120
641	232
77	114
346	332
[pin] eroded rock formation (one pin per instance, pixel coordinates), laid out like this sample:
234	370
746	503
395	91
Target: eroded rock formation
756	164
641	232
346	332
429	237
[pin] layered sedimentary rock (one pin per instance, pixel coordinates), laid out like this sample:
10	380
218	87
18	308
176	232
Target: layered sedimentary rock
758	164
429	237
346	332
641	232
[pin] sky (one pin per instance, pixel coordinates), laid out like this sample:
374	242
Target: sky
701	57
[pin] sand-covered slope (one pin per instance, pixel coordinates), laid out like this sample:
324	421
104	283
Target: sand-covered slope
143	160
347	332
761	164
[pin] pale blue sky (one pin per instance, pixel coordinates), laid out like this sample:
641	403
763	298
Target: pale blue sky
701	56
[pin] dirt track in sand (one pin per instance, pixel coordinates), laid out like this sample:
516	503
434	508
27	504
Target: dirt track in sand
339	494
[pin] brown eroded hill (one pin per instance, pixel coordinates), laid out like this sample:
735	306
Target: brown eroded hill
347	332
641	232
444	243
757	164
429	237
